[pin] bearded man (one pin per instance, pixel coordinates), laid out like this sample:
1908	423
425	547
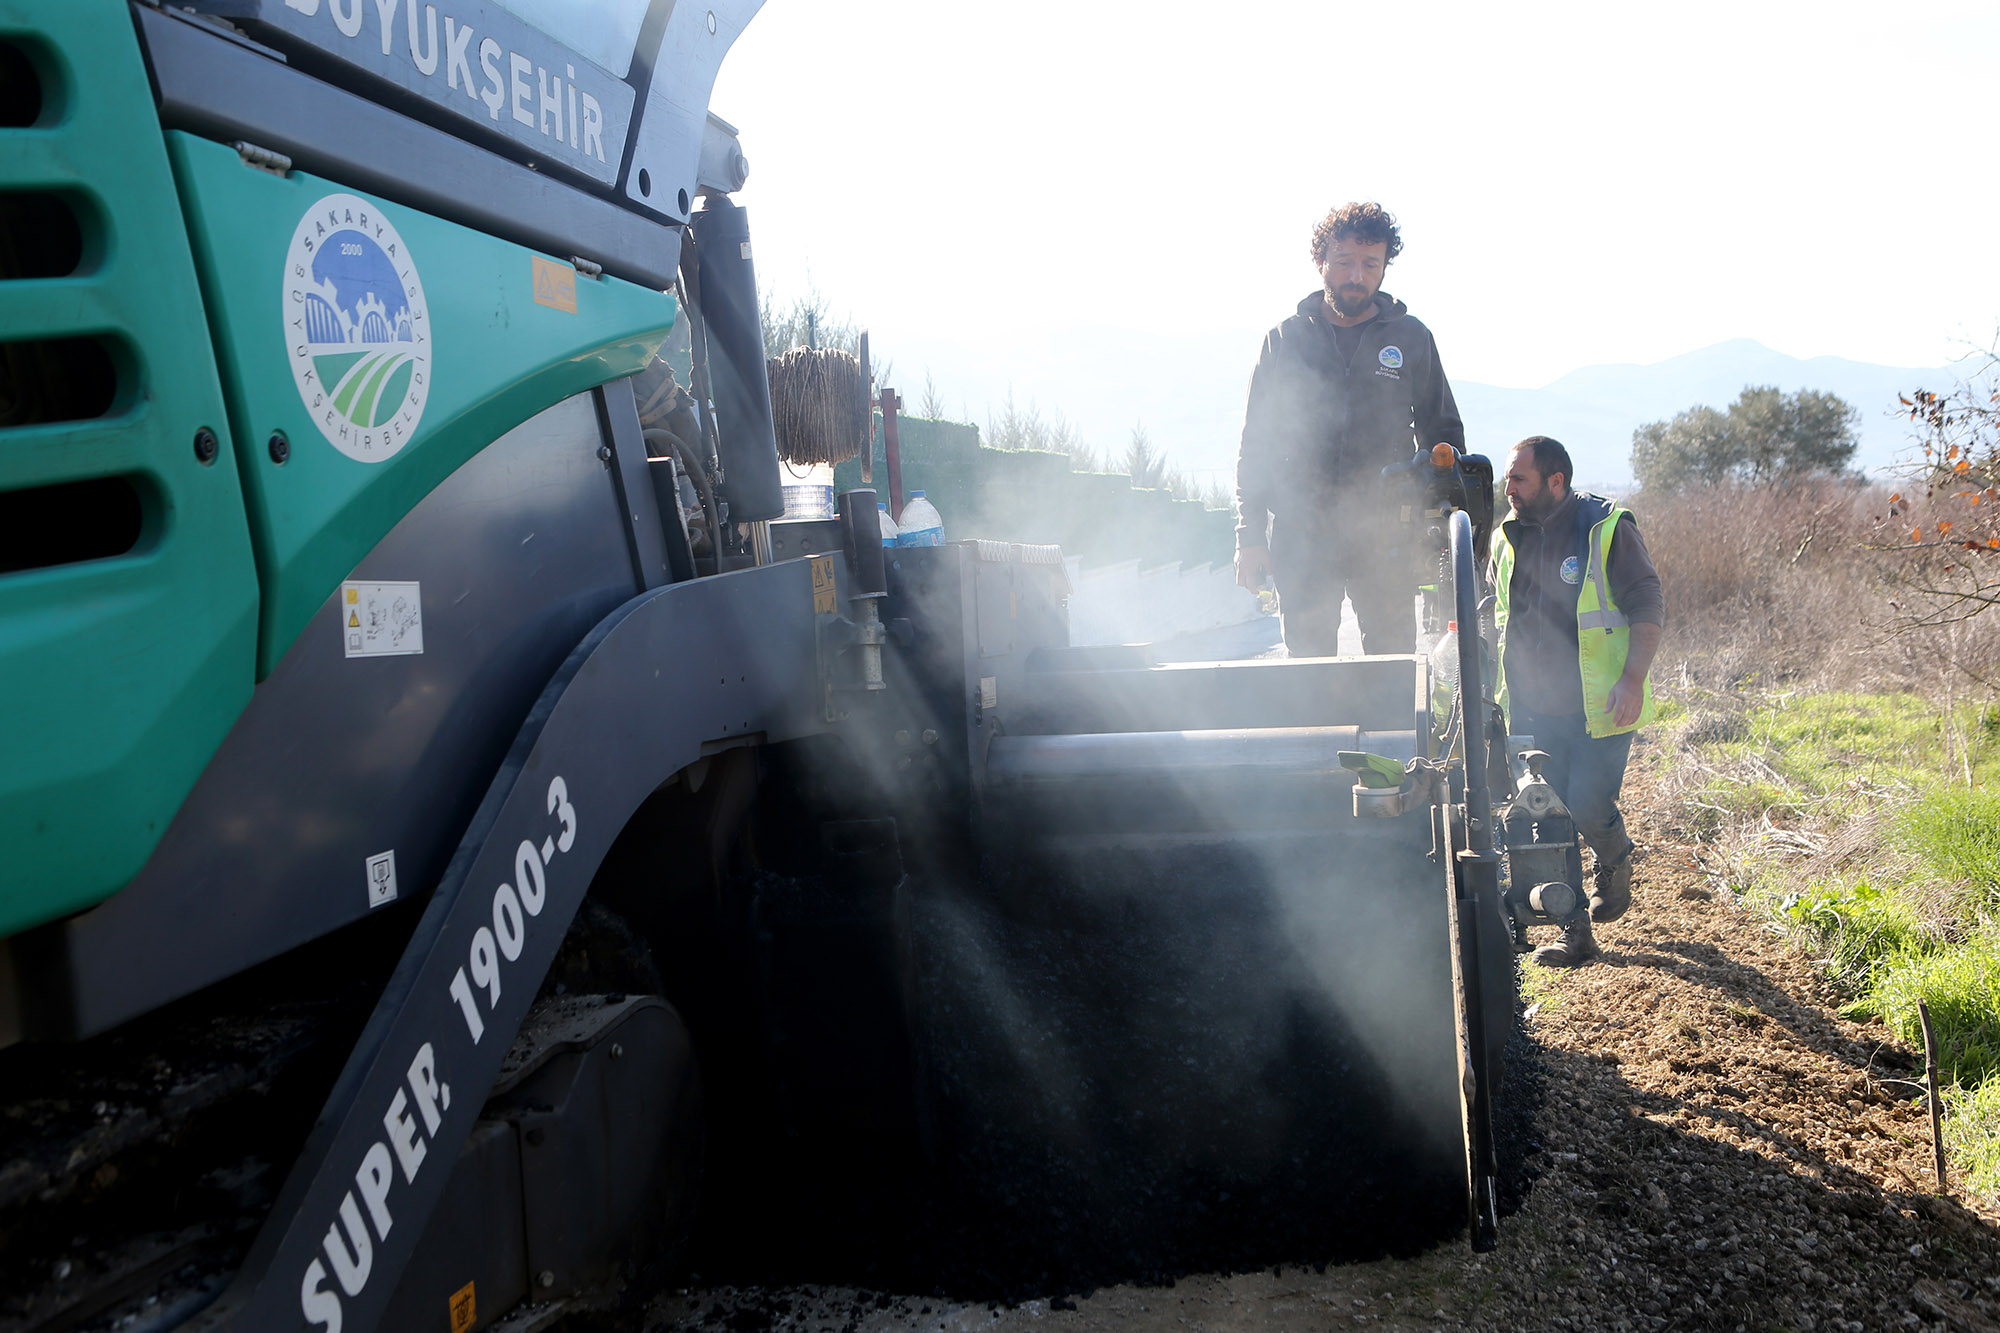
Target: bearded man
1579	609
1345	387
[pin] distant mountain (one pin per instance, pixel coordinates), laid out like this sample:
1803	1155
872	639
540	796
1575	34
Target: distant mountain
1595	410
1187	387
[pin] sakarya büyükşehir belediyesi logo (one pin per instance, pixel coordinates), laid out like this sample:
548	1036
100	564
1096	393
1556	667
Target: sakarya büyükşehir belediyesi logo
357	328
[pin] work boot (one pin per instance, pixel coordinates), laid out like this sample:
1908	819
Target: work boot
1574	949
1611	889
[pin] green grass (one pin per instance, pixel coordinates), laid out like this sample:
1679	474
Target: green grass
1537	987
1961	985
1916	916
1956	832
1972	1135
1854	926
1803	750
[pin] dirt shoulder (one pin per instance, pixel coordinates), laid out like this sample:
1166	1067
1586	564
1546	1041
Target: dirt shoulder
1717	1150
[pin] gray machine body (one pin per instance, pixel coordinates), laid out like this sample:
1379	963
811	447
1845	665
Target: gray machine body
267	73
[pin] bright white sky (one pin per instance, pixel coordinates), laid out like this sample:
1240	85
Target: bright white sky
1577	183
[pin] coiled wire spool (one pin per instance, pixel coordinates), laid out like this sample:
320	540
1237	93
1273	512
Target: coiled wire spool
819	405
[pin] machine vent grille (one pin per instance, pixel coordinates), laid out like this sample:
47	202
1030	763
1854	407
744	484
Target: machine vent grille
40	236
20	87
55	379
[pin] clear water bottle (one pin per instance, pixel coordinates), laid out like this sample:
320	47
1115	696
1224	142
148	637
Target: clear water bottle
889	533
922	525
1444	674
809	491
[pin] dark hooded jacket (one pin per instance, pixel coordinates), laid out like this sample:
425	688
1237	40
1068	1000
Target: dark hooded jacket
1541	641
1317	433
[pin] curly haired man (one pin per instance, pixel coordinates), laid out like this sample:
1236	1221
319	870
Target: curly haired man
1348	385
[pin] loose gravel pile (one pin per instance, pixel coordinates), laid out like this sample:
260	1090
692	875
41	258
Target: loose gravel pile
1713	1148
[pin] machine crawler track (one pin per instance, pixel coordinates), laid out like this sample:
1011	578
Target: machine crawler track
138	1166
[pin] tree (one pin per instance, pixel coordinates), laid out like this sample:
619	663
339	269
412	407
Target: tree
1942	530
1790	436
1026	428
1697	446
1146	465
806	322
809	322
931	405
1766	438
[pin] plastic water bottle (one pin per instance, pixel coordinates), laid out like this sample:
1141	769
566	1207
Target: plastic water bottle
809	493
1444	675
889	533
922	524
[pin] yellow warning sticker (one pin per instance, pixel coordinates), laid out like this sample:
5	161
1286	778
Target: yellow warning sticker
353	617
353	596
823	594
464	1311
555	285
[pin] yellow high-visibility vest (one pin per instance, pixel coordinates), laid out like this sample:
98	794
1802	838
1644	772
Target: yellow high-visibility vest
1603	633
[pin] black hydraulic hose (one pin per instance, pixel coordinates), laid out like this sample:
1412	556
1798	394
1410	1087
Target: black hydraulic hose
698	372
684	453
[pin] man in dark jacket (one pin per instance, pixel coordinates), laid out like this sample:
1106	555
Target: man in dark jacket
1345	387
1579	607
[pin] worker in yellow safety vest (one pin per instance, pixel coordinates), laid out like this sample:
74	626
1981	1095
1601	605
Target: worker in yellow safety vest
1579	609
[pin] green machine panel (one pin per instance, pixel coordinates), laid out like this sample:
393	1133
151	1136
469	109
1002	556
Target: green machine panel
128	595
369	349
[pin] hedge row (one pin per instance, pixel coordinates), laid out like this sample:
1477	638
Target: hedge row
1036	497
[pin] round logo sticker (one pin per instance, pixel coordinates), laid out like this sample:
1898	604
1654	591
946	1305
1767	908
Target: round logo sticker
357	329
1391	357
1572	570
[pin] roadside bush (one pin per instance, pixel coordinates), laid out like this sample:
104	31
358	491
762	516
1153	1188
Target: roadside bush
1770	587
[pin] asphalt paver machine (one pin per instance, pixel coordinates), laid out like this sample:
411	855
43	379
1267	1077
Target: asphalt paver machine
448	810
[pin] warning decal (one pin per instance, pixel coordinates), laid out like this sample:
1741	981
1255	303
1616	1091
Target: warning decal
464	1309
381	619
823	589
555	285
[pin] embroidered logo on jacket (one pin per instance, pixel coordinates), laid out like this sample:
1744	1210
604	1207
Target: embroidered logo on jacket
1392	357
1572	570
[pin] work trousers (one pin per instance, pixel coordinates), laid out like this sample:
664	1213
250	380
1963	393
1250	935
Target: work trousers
1587	772
1315	566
